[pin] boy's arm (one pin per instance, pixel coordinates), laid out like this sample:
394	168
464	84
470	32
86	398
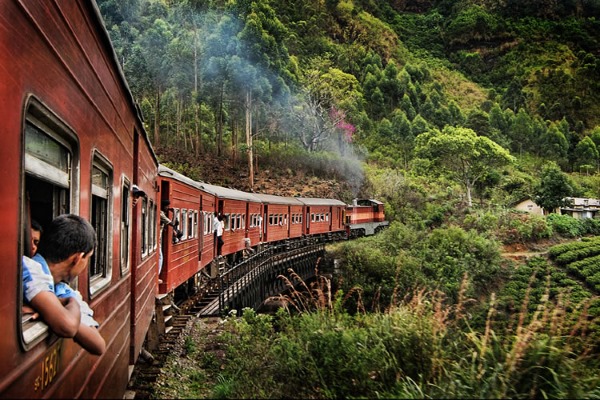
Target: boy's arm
90	339
63	320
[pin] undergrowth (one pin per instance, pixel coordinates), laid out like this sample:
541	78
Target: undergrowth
421	345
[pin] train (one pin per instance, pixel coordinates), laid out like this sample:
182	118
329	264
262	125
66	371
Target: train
74	142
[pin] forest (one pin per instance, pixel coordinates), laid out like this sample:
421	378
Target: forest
450	112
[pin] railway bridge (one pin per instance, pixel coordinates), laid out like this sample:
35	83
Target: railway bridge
228	287
251	282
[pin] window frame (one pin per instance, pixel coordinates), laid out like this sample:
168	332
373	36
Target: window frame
31	332
98	283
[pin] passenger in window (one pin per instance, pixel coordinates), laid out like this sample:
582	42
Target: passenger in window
63	253
36	234
136	193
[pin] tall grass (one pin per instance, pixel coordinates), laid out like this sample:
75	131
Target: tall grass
419	346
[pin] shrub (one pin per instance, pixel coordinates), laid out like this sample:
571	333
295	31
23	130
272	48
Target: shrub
566	225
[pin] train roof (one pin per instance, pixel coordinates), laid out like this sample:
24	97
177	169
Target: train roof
226	193
168	172
365	202
273	199
313	201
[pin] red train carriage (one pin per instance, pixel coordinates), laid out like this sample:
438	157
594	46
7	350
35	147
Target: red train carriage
365	217
143	265
282	217
180	244
70	134
240	211
323	216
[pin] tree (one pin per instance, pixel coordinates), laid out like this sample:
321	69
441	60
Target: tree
586	154
553	189
554	144
462	154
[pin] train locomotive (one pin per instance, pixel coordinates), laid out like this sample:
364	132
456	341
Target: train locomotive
74	142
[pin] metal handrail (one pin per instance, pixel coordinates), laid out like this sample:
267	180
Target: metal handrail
250	282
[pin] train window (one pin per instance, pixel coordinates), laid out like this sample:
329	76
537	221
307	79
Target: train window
243	222
176	219
183	224
51	185
207	223
191	224
124	250
227	222
99	268
327	217
152	213
144	221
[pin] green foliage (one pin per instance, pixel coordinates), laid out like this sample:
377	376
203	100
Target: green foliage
471	24
464	155
553	188
510	227
418	348
566	225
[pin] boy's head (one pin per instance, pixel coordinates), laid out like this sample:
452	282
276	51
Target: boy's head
36	234
66	235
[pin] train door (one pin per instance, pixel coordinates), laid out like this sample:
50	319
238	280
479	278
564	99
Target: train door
200	228
308	220
289	221
164	256
266	223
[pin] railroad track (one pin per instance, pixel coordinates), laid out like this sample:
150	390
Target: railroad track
148	367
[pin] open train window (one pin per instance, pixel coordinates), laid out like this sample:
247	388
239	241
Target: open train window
191	225
144	221
101	213
125	222
152	213
50	187
183	224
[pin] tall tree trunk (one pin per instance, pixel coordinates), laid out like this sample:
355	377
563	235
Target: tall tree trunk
234	141
157	117
197	122
249	139
220	123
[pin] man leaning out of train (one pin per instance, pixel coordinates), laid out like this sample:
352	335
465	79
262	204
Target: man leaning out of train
63	253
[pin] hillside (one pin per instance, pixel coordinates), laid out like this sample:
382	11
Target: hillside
268	180
366	78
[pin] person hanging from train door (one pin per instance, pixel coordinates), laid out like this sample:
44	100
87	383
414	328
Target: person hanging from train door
218	229
164	221
64	252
